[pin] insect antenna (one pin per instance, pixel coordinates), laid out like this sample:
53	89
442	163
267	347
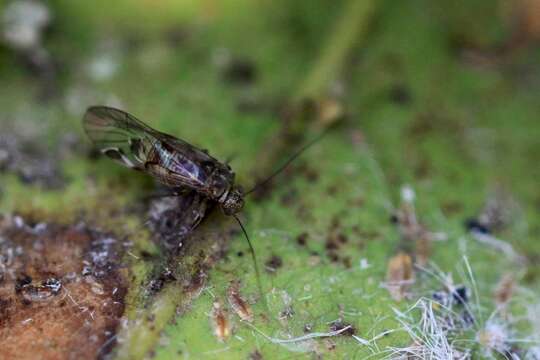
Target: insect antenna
253	257
287	163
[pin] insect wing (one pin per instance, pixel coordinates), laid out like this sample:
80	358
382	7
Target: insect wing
134	144
117	134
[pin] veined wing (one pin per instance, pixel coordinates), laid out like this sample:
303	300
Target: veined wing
114	132
134	144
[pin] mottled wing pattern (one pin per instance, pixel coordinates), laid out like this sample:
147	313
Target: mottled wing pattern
134	144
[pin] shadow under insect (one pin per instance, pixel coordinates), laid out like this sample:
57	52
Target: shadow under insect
173	218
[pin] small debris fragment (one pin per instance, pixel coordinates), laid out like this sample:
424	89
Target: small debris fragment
220	322
399	276
405	217
452	295
155	285
238	304
21	282
335	241
304	343
474	225
302	239
286	313
274	263
32	293
53	284
460	295
498	212
423	248
505	290
95	286
342	328
494	337
240	71
364	264
411	230
329	110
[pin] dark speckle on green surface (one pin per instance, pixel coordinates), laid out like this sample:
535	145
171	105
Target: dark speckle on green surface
439	97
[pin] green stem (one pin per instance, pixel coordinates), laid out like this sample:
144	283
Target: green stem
346	35
348	32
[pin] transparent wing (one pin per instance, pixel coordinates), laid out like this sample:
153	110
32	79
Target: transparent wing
134	144
119	135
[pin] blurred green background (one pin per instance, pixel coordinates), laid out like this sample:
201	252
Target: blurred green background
440	96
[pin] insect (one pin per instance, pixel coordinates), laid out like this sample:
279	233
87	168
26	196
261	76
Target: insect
172	161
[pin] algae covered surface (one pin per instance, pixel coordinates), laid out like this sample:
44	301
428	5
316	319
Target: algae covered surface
410	228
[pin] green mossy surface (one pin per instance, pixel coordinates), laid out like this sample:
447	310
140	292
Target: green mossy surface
464	131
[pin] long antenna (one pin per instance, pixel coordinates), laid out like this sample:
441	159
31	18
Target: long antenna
287	163
254	257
